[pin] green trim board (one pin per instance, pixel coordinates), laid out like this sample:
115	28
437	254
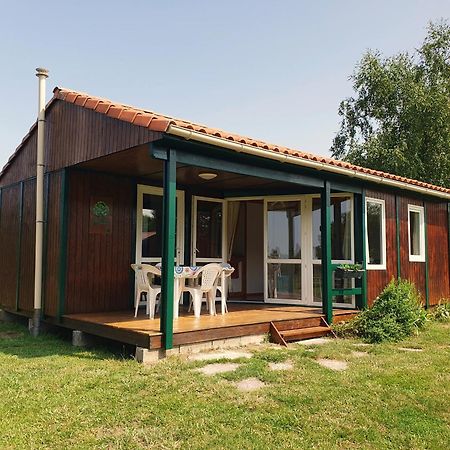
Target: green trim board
19	246
63	221
239	164
325	220
168	248
359	201
397	235
427	288
45	242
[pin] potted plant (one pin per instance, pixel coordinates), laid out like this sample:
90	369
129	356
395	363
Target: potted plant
349	271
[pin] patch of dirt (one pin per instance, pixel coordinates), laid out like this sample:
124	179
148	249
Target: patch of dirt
10	334
250	384
315	341
359	354
226	354
410	349
333	364
286	365
362	344
213	369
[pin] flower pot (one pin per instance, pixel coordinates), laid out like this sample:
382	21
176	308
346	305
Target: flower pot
342	273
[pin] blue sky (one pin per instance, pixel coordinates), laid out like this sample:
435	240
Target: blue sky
274	70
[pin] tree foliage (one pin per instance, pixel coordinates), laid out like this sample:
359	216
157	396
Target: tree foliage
399	119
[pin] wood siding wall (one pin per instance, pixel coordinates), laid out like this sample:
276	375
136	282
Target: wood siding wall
9	241
18	259
73	135
377	279
438	257
98	265
438	262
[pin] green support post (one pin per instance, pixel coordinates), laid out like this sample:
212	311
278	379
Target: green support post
427	289
360	247
45	244
327	298
63	223
397	236
168	248
19	246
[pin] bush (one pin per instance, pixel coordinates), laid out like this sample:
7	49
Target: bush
442	311
395	314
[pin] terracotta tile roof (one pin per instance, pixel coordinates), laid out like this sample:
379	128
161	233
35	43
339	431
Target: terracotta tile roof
161	123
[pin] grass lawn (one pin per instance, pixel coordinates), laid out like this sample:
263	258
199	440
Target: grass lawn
55	396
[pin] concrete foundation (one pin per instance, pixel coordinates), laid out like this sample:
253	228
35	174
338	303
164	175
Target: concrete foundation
146	356
81	339
7	316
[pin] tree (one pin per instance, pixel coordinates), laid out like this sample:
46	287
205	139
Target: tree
399	119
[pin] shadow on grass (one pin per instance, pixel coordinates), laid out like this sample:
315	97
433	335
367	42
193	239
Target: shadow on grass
15	340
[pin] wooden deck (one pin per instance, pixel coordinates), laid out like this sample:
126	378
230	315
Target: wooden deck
241	320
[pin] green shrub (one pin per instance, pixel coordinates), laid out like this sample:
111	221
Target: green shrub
442	311
395	314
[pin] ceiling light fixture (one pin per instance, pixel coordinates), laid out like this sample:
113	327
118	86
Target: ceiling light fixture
207	175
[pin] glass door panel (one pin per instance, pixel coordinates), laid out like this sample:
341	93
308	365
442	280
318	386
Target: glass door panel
149	225
283	250
208	230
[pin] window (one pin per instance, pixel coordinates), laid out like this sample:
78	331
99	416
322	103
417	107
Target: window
416	233
375	234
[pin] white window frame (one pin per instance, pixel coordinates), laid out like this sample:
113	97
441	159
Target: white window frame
381	266
154	190
421	211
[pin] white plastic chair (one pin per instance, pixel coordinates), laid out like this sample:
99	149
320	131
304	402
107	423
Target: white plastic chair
208	286
222	285
144	284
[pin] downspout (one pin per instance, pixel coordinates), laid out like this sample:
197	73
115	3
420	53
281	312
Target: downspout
42	74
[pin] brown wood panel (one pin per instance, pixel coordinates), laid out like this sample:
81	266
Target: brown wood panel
53	229
413	271
377	279
26	291
98	264
73	135
438	257
9	235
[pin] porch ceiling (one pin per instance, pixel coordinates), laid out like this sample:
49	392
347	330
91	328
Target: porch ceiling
135	162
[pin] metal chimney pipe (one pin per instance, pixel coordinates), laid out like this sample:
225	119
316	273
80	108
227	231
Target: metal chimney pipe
42	74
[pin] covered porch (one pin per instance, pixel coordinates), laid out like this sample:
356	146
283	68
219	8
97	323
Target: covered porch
283	228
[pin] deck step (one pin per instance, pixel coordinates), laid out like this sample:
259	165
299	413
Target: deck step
300	334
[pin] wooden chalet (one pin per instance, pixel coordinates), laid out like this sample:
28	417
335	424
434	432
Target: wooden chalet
125	185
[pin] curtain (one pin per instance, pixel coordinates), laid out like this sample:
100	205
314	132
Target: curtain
233	215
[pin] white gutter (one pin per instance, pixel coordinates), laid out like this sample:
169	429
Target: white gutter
42	74
250	149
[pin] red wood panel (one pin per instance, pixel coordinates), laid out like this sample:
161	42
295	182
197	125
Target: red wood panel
98	268
50	288
377	279
413	271
26	291
9	235
73	135
438	257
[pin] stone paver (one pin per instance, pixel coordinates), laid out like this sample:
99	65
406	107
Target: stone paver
226	354
214	369
410	349
362	344
286	365
250	384
315	341
333	364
